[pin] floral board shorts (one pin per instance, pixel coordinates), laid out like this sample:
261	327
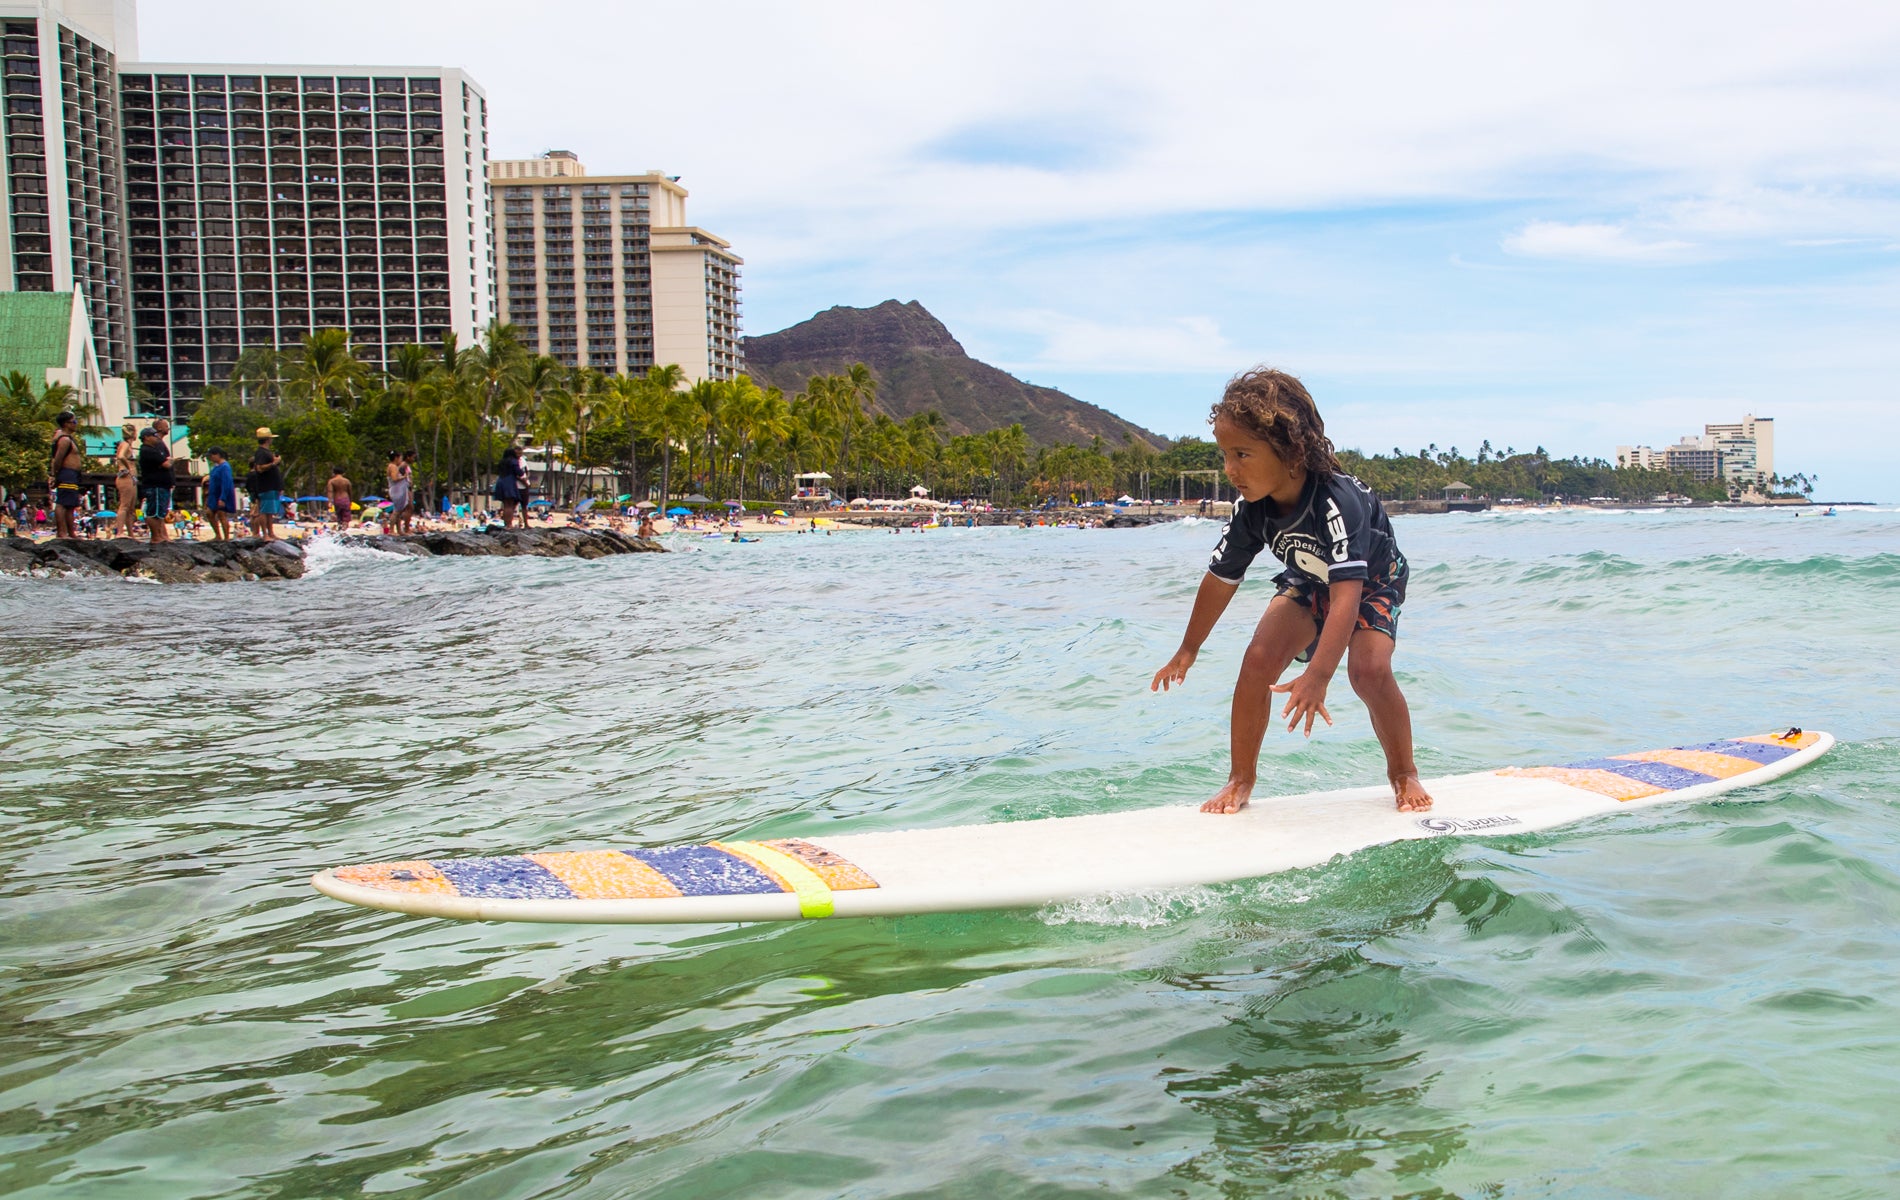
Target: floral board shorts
1378	604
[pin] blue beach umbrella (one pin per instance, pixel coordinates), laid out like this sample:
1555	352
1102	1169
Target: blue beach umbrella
679	512
540	504
105	513
584	505
372	499
312	500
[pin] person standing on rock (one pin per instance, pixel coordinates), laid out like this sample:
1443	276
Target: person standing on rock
155	483
220	494
267	484
510	489
125	465
340	498
407	524
63	482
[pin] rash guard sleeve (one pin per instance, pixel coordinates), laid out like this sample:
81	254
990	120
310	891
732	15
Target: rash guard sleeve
1346	511
1240	543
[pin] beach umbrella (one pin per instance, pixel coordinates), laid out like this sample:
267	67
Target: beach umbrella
696	498
105	512
540	504
679	512
623	499
734	504
372	499
584	505
313	500
778	512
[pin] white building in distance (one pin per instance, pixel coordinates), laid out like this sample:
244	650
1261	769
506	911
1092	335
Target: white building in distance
604	270
1741	454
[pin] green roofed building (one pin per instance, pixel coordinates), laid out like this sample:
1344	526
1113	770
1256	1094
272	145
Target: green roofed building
46	337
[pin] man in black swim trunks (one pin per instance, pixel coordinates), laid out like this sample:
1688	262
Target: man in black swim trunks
68	459
155	482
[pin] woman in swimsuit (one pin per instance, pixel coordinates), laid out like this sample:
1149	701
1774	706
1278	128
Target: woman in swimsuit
125	462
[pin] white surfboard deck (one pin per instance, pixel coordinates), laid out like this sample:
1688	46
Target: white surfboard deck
1029	863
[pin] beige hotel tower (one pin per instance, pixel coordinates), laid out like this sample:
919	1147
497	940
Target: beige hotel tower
603	270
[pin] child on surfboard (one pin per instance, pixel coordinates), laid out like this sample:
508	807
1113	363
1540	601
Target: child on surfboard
1338	596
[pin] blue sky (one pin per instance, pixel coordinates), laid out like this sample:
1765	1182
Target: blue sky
1574	226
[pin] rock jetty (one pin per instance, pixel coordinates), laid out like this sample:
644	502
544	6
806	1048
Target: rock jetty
255	558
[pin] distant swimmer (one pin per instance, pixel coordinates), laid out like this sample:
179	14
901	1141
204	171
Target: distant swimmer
1338	596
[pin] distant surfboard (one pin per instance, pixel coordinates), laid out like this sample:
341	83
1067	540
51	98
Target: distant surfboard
1027	863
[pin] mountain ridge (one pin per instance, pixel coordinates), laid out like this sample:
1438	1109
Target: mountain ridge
920	366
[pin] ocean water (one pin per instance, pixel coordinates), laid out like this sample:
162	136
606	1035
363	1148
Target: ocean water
1685	1001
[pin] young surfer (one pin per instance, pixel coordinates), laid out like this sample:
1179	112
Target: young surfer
1338	596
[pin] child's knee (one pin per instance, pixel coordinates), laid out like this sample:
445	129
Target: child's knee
1367	674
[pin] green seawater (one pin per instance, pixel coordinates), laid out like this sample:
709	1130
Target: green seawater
1696	1000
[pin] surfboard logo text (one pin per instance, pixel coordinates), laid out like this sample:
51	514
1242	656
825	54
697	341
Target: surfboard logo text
1472	825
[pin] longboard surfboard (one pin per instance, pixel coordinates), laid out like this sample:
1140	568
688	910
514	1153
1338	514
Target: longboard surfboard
1024	864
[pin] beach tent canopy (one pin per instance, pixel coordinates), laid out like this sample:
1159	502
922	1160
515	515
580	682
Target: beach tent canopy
819	476
1126	500
919	491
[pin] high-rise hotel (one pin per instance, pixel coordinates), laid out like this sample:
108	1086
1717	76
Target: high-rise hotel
59	95
203	209
604	271
265	202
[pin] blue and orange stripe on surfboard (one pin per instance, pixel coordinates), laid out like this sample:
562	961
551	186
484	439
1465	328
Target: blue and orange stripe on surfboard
721	869
1653	772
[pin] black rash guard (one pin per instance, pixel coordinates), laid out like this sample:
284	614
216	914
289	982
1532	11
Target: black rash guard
1336	531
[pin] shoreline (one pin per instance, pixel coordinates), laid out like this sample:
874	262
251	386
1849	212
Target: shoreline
253	559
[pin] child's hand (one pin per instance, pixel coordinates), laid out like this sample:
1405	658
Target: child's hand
1176	670
1305	697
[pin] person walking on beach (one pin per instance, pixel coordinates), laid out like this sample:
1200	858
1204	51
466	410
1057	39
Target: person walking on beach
63	480
339	489
1338	596
266	485
220	494
155	483
125	469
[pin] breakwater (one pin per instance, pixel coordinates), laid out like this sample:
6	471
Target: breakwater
242	559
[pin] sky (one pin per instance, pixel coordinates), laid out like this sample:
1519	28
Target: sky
1561	225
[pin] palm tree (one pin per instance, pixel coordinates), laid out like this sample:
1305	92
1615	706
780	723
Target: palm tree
669	418
707	397
325	371
853	390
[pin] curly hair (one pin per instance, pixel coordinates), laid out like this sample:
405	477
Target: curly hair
1276	408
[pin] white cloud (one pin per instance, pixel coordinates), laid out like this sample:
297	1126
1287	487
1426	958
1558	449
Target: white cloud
1590	240
1072	343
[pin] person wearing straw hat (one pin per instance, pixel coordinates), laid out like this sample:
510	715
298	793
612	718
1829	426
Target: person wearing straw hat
267	484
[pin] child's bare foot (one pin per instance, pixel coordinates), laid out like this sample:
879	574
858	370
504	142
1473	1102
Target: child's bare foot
1411	794
1232	798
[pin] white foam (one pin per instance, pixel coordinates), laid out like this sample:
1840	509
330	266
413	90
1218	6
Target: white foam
324	554
1142	909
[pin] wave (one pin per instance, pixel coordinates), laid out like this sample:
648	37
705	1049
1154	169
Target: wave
321	555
